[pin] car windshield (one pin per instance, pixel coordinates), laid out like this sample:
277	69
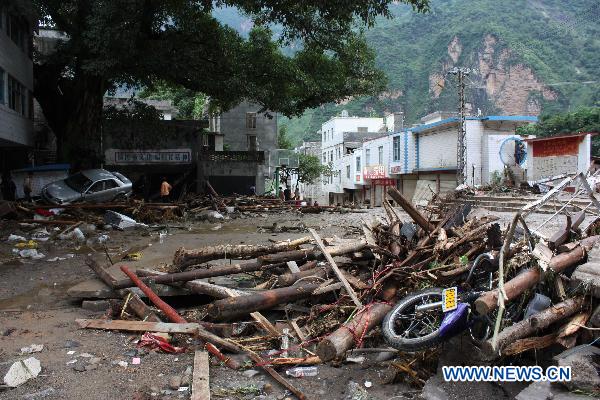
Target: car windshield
78	182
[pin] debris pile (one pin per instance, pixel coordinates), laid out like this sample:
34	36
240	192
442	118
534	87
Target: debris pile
313	300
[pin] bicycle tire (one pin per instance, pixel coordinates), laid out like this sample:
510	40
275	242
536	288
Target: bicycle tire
410	344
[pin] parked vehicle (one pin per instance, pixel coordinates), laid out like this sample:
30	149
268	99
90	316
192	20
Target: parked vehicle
431	316
92	185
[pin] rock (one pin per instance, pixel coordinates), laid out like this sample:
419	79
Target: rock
79	367
433	390
536	391
267	388
90	367
95	360
69	344
175	382
584	367
356	392
34	348
22	371
95	305
42	394
250	373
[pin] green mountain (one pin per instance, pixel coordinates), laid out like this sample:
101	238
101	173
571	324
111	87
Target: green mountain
527	56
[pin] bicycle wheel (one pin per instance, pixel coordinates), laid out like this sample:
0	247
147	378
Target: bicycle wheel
408	330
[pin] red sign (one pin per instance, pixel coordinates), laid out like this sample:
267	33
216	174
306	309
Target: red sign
556	147
358	178
374	172
397	169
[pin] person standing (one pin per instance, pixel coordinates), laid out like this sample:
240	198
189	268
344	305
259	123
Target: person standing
165	191
28	186
297	193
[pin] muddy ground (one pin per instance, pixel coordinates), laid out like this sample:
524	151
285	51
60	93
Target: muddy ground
83	364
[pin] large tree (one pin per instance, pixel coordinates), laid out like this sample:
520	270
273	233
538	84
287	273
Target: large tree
138	42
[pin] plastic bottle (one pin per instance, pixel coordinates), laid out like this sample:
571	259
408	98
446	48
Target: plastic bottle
299	372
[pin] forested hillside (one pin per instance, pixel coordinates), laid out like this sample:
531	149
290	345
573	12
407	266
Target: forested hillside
528	57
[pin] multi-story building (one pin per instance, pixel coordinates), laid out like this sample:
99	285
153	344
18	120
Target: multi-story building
341	137
420	160
16	87
245	151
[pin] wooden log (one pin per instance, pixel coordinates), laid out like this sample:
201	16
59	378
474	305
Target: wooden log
561	236
242	305
138	326
536	322
532	343
184	258
290	279
197	286
201	273
335	268
527	279
296	255
410	210
336	344
200	378
139	308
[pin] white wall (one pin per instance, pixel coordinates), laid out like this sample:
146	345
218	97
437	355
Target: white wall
437	149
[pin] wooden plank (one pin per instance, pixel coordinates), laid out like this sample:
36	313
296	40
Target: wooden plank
335	267
200	379
138	326
258	317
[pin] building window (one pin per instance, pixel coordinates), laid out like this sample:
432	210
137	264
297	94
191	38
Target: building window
367	157
331	156
380	155
358	165
324	136
18	31
251	120
252	144
347	172
1	80
325	158
396	143
17	96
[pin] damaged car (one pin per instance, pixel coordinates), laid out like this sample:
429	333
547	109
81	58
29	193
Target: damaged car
92	185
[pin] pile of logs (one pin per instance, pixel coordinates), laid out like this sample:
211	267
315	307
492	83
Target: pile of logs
329	296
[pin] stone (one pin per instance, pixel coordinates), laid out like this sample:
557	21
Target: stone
95	360
536	391
42	394
356	392
267	388
95	305
90	367
79	367
22	371
175	382
250	373
69	344
584	367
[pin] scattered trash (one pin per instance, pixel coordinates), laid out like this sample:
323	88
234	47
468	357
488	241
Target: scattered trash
16	238
120	221
299	372
136	361
22	371
29	253
34	348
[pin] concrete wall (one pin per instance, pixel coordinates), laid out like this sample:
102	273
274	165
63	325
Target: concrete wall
233	127
437	150
15	129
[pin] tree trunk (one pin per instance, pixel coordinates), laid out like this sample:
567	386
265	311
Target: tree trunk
342	340
536	322
239	306
73	112
184	258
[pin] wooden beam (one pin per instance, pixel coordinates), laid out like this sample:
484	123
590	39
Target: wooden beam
138	326
200	379
335	268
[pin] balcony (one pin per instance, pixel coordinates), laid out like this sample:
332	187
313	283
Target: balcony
240	156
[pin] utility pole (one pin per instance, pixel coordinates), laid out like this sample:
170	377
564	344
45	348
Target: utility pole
461	153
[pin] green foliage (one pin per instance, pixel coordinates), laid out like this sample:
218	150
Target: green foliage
310	169
582	120
283	141
189	104
181	43
558	40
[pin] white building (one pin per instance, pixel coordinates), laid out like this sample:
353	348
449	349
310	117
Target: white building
16	87
341	136
420	160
